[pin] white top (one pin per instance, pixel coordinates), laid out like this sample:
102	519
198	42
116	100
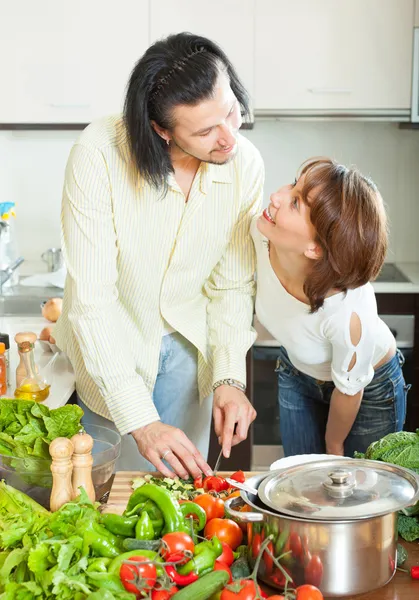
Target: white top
319	344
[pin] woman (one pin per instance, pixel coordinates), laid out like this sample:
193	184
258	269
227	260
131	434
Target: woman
319	244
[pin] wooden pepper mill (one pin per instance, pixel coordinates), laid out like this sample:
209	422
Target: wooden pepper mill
82	464
61	450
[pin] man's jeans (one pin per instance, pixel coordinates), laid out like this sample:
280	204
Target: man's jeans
176	398
304	407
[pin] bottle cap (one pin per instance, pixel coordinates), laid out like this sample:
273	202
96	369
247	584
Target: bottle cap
4	337
2	348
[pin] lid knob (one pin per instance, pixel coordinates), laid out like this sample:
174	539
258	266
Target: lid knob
339	476
342	484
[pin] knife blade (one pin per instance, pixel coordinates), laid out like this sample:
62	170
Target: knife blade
217	464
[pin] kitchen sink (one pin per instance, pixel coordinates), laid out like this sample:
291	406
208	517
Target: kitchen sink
25	301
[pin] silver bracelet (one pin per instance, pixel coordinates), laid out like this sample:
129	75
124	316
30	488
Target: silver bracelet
231	382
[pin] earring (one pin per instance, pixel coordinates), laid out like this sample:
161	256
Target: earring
168	142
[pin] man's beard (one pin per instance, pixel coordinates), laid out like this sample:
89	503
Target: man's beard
209	161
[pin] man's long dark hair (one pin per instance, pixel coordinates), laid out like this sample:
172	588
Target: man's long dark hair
181	69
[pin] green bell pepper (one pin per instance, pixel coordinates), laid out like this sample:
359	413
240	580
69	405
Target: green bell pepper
191	508
99	565
118	524
203	561
166	503
144	529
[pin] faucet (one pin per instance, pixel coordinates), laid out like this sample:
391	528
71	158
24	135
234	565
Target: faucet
6	273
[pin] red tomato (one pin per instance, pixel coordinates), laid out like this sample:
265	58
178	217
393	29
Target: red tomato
216	484
226	530
246	590
296	546
197	482
213	506
220	566
175	545
227	556
138	578
276	597
278	577
268	559
238	476
256	544
313	572
308	592
163	594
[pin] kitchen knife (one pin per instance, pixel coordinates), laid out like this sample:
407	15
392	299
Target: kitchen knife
217	464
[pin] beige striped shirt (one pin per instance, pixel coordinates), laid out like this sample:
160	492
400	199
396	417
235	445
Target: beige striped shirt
136	259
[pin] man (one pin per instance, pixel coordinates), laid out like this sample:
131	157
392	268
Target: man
158	301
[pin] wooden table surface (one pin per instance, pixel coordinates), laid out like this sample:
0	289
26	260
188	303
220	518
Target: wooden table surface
401	587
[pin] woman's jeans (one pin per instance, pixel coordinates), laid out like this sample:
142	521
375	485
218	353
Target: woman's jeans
304	407
176	398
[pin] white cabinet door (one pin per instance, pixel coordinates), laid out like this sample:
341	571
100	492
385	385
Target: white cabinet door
68	62
229	23
417	13
333	54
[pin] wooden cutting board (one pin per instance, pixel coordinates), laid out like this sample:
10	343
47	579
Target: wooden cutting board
121	488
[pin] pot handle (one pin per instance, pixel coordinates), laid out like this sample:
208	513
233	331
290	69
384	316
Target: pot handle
243	517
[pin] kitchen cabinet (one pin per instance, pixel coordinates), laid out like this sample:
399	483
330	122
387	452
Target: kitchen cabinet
417	13
68	62
230	24
333	56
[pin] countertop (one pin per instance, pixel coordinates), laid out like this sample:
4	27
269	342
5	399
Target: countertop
411	270
60	374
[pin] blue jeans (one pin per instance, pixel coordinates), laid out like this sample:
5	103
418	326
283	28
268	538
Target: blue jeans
304	407
176	398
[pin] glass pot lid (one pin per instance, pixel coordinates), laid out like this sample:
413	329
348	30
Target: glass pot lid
340	490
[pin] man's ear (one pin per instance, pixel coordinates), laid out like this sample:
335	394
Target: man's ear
313	251
163	133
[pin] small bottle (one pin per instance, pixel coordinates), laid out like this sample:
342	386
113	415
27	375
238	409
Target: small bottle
33	386
3	384
4	337
25	336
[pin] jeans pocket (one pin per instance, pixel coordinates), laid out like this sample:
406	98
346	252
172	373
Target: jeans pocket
285	372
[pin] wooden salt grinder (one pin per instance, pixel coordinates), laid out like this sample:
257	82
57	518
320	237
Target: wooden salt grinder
82	464
61	450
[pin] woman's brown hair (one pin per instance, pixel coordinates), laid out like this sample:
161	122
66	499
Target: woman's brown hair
348	215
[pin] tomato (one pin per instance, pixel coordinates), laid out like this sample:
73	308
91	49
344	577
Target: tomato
313	572
308	592
238	476
214	507
227	556
163	594
137	578
175	545
278	577
296	546
276	597
197	482
256	544
220	566
244	589
268	559
216	484
226	530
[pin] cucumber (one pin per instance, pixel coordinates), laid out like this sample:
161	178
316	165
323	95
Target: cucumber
134	544
204	587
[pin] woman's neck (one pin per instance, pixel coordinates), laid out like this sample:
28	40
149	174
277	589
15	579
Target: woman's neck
291	270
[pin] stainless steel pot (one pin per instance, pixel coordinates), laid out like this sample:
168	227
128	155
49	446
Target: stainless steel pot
333	523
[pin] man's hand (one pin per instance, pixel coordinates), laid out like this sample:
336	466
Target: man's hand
156	441
231	407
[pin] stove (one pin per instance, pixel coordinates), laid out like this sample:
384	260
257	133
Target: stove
391	273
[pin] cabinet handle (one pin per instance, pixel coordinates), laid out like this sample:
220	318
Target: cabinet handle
329	90
56	105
